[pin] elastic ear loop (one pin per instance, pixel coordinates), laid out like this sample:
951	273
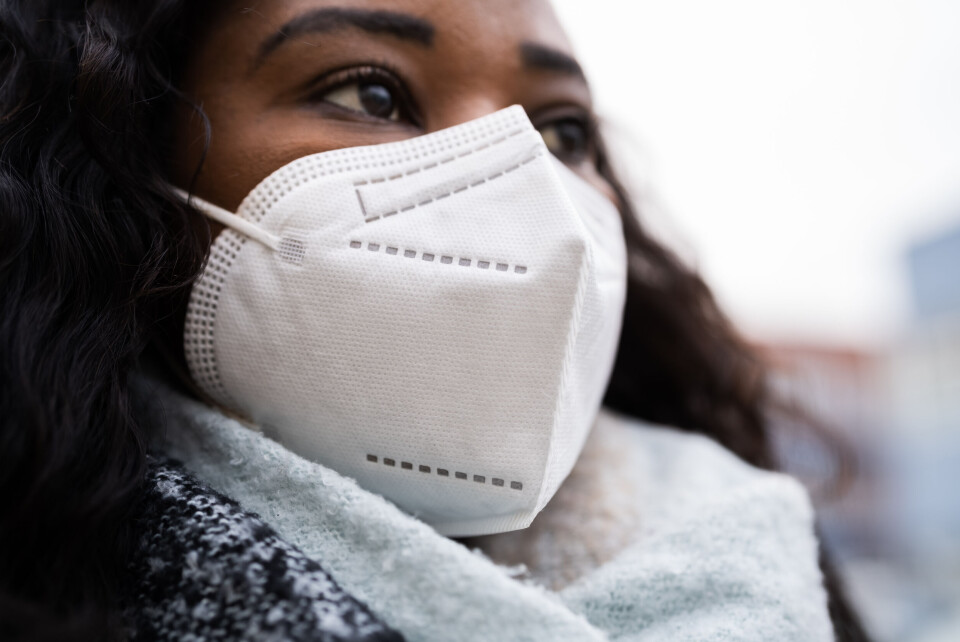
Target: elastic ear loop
231	220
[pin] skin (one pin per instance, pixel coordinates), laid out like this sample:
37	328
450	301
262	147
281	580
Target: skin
266	111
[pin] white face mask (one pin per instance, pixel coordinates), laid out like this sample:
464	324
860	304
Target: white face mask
436	318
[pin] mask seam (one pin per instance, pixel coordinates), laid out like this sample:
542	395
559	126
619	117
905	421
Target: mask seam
443	161
201	320
445	259
277	186
457	190
572	333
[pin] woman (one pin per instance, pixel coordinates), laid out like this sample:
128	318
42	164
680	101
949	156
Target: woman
108	108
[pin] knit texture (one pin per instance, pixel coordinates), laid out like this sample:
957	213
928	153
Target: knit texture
723	551
204	569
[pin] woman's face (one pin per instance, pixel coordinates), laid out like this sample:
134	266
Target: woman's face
282	79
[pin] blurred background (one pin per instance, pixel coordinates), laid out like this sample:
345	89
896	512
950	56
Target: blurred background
805	156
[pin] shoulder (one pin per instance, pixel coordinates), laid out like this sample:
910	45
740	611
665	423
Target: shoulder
203	566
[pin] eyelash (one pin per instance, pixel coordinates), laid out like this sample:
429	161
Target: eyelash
380	72
383	73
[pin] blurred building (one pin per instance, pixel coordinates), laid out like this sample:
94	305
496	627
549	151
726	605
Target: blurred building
935	276
924	381
924	376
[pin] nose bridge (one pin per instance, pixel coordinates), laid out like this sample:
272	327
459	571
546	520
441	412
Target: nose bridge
491	156
461	108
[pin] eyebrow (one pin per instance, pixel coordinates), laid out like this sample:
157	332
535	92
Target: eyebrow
400	25
540	56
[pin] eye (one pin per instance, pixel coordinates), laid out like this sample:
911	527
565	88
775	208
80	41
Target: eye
367	97
366	91
569	139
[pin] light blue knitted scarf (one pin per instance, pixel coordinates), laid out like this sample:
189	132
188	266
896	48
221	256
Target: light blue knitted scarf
726	552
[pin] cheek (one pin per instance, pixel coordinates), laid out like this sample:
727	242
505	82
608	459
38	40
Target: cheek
247	144
188	145
241	154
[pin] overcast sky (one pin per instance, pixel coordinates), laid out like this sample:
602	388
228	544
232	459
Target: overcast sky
795	149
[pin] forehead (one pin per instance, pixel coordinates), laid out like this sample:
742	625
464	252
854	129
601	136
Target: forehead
474	28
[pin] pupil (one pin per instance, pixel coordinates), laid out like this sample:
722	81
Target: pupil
376	100
571	135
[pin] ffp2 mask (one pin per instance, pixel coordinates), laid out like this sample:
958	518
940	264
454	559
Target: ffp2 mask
436	317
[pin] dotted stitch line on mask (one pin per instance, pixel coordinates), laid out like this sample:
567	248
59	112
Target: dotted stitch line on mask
444	472
457	190
345	160
443	161
445	259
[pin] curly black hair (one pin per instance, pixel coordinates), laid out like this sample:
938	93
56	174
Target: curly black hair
95	252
